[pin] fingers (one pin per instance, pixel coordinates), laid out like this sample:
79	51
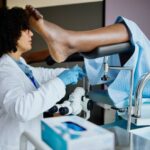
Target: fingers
81	75
84	69
72	76
79	71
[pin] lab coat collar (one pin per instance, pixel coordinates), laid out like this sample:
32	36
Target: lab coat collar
7	61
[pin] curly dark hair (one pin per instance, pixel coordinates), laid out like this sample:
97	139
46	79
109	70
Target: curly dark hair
12	22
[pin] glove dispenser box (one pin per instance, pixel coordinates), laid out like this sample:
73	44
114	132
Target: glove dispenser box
75	133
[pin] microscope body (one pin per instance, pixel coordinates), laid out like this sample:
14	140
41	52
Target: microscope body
76	103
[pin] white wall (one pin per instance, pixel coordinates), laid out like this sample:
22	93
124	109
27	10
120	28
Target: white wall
136	10
46	3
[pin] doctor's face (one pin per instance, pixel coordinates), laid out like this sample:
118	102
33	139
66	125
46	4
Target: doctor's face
24	43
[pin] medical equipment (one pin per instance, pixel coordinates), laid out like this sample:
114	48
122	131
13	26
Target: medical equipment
73	132
78	102
35	140
136	139
132	112
75	102
136	116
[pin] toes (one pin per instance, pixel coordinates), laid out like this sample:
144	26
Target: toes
38	14
31	11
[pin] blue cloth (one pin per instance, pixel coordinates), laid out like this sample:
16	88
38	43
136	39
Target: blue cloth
119	88
28	73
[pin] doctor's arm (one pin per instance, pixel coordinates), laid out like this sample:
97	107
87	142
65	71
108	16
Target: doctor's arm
23	102
43	74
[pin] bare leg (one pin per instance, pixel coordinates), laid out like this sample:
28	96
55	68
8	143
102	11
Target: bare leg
63	43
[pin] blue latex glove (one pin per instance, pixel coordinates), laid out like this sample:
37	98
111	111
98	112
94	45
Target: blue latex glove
71	76
83	74
84	70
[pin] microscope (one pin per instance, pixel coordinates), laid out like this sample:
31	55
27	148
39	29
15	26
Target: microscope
78	102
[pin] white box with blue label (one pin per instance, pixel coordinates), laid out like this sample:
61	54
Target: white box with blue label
75	133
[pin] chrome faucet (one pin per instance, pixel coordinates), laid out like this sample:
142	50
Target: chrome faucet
138	94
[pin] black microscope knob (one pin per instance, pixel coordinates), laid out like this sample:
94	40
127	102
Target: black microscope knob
63	110
53	110
105	78
90	105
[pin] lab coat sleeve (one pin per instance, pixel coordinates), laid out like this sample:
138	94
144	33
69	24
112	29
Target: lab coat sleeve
26	105
44	74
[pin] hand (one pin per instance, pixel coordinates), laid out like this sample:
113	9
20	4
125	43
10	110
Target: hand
71	76
84	70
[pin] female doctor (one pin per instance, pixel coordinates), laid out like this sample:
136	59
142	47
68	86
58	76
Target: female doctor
25	91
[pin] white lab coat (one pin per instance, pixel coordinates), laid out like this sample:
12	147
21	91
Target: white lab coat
21	104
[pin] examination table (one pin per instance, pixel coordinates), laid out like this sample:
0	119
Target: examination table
124	139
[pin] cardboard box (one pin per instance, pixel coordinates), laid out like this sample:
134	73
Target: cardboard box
75	133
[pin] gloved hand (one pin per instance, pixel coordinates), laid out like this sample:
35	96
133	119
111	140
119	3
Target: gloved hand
71	76
84	70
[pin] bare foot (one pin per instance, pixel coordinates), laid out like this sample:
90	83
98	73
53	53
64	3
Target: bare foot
33	12
56	38
35	18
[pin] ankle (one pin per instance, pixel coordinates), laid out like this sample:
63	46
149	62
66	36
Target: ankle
73	41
